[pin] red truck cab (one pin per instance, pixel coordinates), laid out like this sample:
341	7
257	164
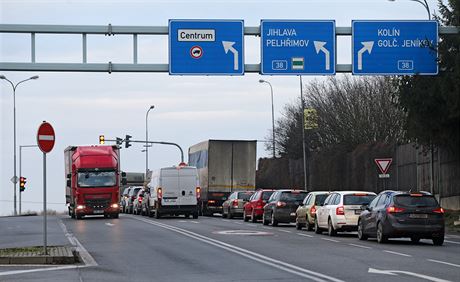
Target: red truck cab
92	186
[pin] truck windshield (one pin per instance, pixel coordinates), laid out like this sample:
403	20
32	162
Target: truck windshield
97	179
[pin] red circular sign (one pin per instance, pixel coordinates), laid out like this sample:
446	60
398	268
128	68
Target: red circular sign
45	137
196	52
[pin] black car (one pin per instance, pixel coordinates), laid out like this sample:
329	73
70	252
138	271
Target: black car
396	214
282	206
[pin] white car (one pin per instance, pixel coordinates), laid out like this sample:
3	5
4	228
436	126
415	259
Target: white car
340	211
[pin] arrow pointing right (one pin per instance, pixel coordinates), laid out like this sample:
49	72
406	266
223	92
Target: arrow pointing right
367	47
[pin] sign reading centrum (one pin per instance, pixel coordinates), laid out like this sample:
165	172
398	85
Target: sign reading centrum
206	47
296	47
395	47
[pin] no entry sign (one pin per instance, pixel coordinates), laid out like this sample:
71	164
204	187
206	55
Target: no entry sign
45	137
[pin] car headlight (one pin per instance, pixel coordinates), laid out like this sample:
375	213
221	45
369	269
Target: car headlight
115	205
80	207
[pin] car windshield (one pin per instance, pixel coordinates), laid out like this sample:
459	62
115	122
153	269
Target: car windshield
319	200
134	191
97	179
244	195
415	201
266	195
292	196
358	199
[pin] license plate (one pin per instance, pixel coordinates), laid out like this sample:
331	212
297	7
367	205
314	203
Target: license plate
169	200
292	213
98	211
358	211
418	215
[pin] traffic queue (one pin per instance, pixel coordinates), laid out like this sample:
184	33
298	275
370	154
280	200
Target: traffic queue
390	214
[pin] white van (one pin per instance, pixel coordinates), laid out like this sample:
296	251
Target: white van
174	191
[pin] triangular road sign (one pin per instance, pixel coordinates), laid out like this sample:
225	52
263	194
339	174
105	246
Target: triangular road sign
383	164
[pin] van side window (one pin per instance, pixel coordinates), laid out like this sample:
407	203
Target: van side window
199	159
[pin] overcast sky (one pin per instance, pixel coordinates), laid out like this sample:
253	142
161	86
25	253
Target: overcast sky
188	109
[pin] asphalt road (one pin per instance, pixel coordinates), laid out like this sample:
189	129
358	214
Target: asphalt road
136	248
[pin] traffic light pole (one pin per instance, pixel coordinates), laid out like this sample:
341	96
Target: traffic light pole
20	169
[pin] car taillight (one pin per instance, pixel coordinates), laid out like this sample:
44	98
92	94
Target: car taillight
339	211
159	193
438	210
313	211
139	199
280	204
198	192
260	204
393	209
235	203
211	202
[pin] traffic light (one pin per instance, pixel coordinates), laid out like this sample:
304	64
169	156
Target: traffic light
22	183
127	137
101	139
119	141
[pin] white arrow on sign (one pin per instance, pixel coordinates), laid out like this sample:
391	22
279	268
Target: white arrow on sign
367	47
396	272
228	46
319	46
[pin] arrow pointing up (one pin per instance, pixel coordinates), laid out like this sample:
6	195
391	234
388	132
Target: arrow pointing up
228	46
319	46
367	47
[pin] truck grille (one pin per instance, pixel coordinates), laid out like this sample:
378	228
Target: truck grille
99	204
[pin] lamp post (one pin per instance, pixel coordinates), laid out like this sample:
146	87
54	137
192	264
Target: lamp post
273	115
424	3
146	140
20	166
14	86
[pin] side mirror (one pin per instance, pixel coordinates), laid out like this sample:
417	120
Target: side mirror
124	181
123	174
68	183
69	176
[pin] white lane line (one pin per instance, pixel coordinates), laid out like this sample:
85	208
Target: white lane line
86	257
238	223
109	224
264	227
290	268
194	221
285	231
332	240
443	262
452	242
453	236
226	220
305	235
396	253
360	246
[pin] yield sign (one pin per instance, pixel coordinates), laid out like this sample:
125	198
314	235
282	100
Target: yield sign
45	137
383	164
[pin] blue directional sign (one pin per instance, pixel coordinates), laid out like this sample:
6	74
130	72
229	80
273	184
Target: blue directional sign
206	47
297	47
395	47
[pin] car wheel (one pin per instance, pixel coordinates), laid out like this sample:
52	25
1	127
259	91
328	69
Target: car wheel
78	216
308	225
230	215
317	229
149	214
381	237
415	239
264	220
116	215
245	218
253	217
361	235
438	241
274	222
330	228
224	215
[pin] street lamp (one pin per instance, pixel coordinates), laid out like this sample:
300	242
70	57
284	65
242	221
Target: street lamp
273	115
14	86
147	140
424	3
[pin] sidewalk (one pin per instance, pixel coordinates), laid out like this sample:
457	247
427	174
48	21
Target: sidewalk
21	241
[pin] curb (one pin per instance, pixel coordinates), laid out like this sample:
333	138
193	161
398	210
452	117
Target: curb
34	255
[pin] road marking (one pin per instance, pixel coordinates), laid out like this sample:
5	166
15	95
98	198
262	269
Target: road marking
453	236
265	227
194	221
360	246
332	240
443	262
396	253
226	220
86	257
396	272
305	235
109	224
286	231
238	223
452	242
290	268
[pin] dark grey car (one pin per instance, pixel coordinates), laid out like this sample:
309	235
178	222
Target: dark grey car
395	214
282	206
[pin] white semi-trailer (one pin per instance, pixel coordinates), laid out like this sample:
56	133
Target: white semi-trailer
224	166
